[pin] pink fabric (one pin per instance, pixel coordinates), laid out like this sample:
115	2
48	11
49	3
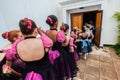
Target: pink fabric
51	21
71	41
33	76
6	35
53	55
60	36
14	45
29	23
47	42
10	53
76	57
75	36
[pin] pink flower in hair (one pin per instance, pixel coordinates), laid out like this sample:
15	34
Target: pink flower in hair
50	20
29	23
6	35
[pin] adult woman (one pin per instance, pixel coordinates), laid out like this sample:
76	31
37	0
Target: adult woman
32	52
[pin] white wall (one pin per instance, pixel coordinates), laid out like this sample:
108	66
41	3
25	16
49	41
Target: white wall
3	28
11	11
109	29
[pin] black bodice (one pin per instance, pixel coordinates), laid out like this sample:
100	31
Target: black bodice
39	65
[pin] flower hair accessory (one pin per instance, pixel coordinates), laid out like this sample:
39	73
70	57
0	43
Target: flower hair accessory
50	20
6	35
29	23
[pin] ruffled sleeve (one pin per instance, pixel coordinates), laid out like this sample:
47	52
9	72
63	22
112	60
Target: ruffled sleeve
14	45
10	53
60	36
47	42
71	41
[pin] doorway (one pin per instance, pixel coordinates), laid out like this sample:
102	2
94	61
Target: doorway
89	16
78	20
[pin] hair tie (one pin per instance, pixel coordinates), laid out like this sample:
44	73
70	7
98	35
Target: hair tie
50	20
29	23
6	35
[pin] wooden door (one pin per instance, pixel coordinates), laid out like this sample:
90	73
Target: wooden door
98	27
76	20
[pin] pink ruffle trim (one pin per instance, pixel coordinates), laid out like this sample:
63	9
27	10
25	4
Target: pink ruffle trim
47	42
60	36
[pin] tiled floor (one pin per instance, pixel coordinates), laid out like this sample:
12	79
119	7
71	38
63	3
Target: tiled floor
101	64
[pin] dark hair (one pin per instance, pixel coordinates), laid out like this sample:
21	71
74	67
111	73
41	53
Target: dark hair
51	19
91	22
83	30
24	27
66	27
74	30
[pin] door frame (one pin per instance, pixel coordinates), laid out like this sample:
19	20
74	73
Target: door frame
98	45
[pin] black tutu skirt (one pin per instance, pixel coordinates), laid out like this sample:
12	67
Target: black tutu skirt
61	64
40	70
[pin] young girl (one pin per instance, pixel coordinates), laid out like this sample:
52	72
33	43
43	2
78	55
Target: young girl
31	51
84	47
68	46
73	53
61	64
15	65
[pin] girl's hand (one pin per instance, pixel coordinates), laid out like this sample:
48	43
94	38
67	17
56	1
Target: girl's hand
39	30
6	69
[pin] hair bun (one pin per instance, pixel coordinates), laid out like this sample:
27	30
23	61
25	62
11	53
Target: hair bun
51	19
5	35
23	23
48	22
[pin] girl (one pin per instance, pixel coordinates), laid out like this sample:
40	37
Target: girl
61	63
31	51
68	46
84	47
15	65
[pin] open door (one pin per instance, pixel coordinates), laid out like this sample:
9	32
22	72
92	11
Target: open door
76	20
98	28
